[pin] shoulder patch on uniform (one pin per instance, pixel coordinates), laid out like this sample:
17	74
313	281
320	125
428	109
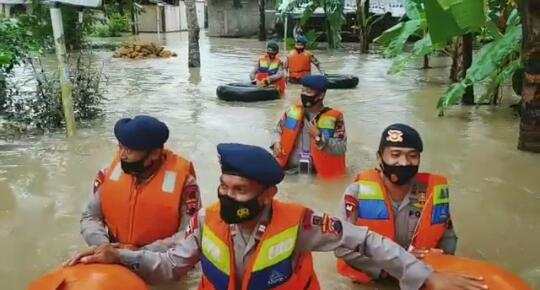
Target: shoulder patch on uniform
306	222
98	181
192	202
351	204
192	226
331	225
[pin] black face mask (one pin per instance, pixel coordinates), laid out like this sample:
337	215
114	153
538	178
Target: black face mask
237	212
399	175
309	101
134	168
299	49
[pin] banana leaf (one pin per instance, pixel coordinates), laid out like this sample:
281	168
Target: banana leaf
449	18
396	37
497	79
495	61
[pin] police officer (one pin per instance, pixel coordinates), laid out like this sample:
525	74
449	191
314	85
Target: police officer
268	70
311	136
299	60
248	240
146	195
396	201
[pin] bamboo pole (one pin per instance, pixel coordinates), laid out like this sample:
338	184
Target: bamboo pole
63	68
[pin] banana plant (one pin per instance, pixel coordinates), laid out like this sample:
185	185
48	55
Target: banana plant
333	10
494	64
395	38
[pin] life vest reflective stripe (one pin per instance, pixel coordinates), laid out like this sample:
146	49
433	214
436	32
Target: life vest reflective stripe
141	214
327	165
270	267
299	64
269	67
375	211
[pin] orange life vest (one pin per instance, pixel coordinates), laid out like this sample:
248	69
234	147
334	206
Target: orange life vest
270	267
268	67
327	165
375	211
139	214
299	64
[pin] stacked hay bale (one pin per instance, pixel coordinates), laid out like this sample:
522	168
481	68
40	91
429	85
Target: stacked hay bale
142	50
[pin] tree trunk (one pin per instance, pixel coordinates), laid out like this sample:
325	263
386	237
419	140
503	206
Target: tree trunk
461	61
529	129
133	19
468	97
262	21
362	12
194	56
426	62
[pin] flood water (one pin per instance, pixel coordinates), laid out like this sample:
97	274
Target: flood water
495	189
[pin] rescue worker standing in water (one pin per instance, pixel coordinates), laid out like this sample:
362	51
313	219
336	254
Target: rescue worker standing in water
146	196
309	137
299	61
268	71
396	201
249	240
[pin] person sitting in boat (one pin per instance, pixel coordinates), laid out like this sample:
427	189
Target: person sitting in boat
299	61
146	196
396	201
268	71
309	137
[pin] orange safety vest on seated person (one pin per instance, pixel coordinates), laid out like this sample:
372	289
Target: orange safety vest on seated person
299	64
375	211
270	266
327	165
139	214
268	67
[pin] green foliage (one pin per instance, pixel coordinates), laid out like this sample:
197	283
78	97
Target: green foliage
75	33
449	18
495	63
114	26
333	10
17	44
311	37
395	38
37	104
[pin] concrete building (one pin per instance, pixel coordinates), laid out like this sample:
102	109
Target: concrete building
236	18
12	7
168	18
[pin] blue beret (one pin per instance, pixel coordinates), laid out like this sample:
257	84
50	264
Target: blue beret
316	82
251	162
141	133
401	135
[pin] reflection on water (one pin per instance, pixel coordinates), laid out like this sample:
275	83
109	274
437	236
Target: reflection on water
44	181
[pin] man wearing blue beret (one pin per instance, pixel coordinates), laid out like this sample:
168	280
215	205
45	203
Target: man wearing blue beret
249	240
310	137
146	196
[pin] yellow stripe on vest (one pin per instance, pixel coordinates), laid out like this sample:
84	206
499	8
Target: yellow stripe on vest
276	249
216	251
369	190
327	122
441	194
